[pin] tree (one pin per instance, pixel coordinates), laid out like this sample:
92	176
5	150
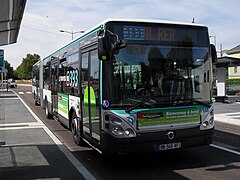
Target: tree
24	70
9	68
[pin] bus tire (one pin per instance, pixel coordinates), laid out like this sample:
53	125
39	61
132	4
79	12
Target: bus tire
75	128
47	113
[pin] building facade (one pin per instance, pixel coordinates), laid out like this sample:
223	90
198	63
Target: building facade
234	70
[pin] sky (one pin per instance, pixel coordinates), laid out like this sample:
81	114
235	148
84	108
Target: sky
42	20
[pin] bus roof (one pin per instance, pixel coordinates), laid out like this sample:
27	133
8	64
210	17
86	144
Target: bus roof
95	28
36	63
151	21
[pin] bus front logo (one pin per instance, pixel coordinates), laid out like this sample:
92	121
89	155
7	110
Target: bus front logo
170	135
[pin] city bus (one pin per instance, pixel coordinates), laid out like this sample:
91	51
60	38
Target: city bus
132	86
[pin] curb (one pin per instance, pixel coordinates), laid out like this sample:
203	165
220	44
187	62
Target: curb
226	119
24	84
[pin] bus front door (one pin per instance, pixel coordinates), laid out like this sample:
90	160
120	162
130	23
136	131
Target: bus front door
90	96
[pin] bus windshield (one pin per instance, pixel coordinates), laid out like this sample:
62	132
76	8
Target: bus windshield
172	75
165	61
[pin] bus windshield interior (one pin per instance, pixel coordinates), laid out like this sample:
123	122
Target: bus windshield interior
167	62
172	75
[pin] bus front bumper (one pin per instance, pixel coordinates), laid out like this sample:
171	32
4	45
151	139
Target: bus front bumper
150	142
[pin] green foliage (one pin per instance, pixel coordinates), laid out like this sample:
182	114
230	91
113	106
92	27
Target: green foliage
10	73
24	70
232	82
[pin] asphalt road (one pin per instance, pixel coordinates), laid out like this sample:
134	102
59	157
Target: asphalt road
219	161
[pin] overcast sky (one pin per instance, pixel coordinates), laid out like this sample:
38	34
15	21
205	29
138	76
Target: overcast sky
42	20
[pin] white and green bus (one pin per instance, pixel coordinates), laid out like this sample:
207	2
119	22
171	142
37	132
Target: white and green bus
129	86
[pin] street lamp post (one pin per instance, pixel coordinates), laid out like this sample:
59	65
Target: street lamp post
215	40
72	32
215	44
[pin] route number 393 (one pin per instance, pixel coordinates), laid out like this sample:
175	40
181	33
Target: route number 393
73	77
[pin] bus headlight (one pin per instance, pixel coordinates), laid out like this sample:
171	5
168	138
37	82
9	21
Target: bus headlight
205	124
207	121
117	130
129	132
211	121
118	127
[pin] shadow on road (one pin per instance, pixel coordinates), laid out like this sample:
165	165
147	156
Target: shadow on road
164	165
35	162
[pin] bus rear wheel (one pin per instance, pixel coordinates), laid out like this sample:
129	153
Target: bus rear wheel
75	128
47	113
35	99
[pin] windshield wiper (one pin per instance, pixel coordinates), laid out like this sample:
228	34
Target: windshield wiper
202	103
118	105
196	101
152	97
138	104
142	102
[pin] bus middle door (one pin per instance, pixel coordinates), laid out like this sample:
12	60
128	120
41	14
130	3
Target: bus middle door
55	88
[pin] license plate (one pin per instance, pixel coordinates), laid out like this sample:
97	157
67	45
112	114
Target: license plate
163	147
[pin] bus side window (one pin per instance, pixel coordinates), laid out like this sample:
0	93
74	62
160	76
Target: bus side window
84	73
94	75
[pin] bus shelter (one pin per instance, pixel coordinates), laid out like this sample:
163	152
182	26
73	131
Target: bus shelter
221	75
11	13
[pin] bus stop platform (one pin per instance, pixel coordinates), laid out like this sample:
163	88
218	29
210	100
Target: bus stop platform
28	149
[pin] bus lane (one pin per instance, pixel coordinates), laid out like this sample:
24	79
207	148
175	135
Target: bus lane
194	163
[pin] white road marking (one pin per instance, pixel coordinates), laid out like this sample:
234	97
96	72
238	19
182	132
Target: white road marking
20	127
19	124
28	92
227	114
225	149
21	92
10	98
24	144
79	166
15	126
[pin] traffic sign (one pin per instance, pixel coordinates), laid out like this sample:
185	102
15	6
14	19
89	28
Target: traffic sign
1	58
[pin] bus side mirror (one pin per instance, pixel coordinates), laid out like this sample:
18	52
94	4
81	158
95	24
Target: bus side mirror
104	50
118	45
108	44
213	53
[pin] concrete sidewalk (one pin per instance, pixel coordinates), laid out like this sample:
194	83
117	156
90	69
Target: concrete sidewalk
26	149
227	113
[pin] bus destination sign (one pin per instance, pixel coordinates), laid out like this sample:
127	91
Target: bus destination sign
149	33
